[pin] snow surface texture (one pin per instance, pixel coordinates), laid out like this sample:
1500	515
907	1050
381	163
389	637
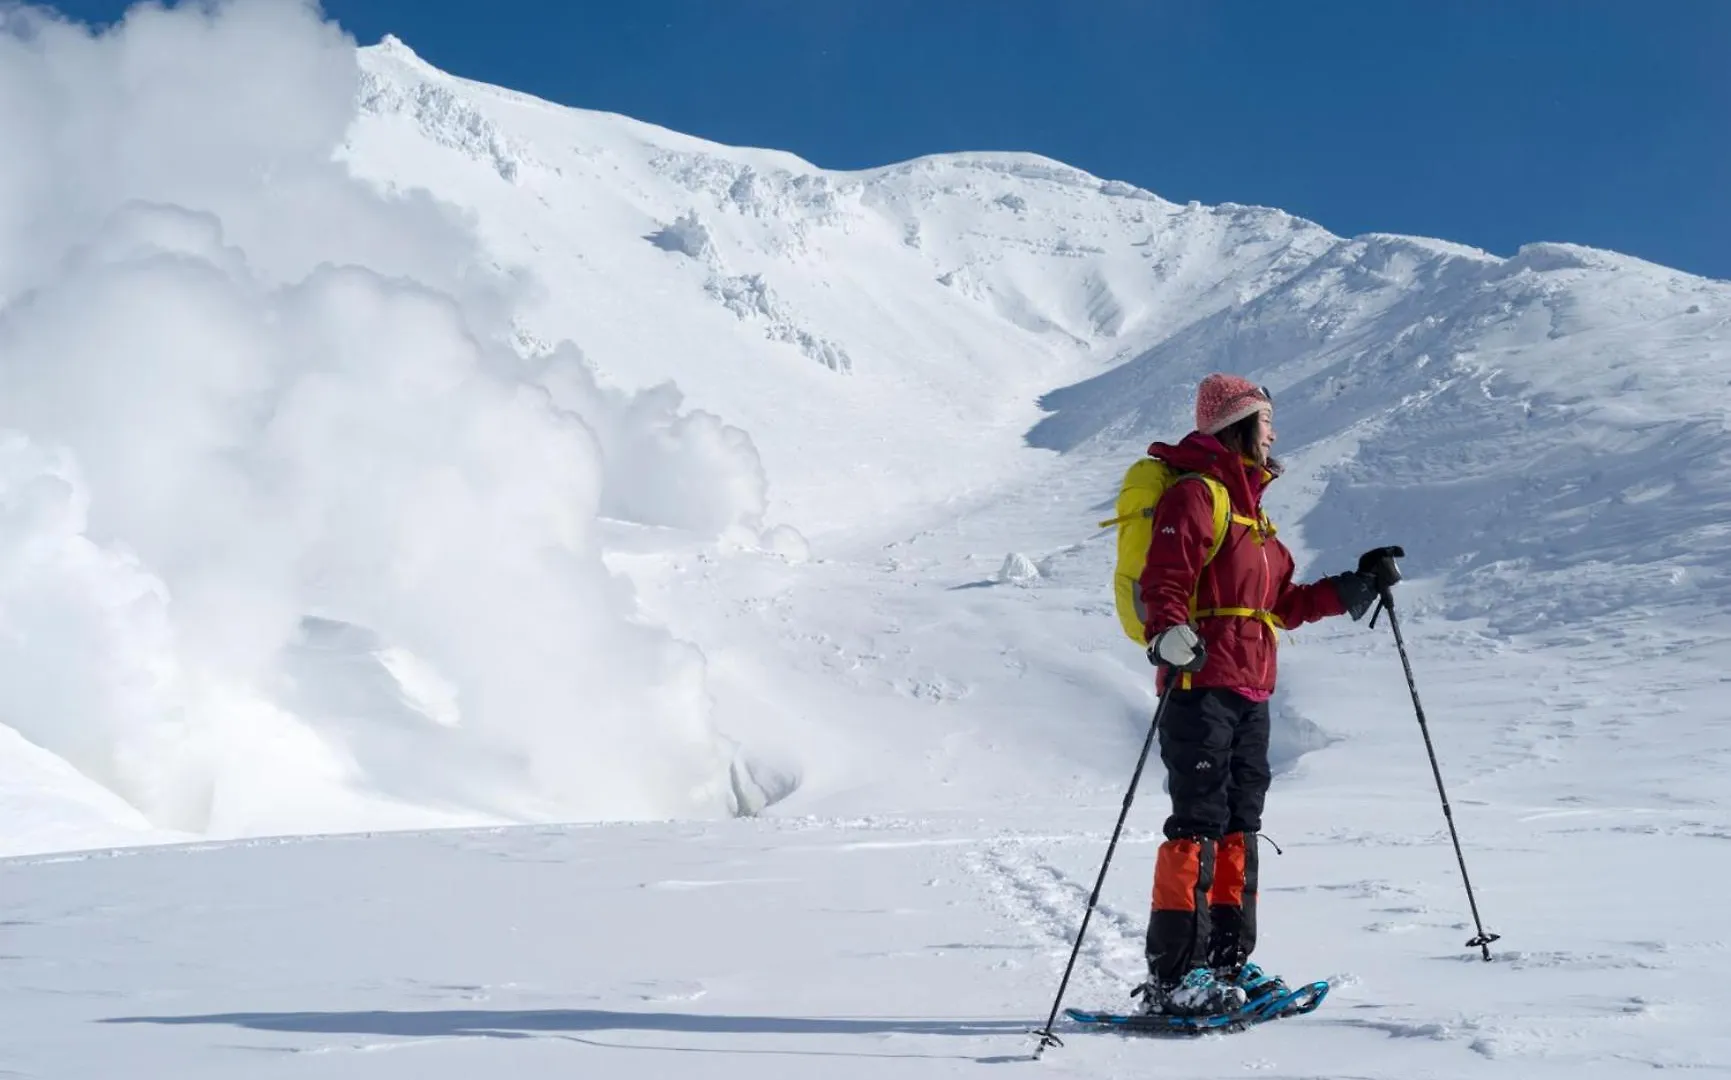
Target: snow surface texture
385	451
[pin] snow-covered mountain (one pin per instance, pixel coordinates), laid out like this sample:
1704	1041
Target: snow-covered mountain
761	353
381	450
1547	425
940	296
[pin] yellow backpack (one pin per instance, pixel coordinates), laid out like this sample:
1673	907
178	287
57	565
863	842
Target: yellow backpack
1144	483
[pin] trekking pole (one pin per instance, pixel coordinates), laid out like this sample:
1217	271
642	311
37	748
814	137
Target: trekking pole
1047	1038
1385	602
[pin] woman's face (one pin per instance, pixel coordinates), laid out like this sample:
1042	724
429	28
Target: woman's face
1264	440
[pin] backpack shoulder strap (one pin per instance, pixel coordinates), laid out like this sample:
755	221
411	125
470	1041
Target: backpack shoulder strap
1223	515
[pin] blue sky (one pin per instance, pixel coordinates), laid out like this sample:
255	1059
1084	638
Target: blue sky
1489	122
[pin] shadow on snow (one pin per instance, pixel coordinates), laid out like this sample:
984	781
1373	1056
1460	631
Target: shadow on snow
519	1024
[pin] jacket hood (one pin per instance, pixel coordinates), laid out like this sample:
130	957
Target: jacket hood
1201	453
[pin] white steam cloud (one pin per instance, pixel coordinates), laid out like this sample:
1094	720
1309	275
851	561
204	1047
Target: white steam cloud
262	427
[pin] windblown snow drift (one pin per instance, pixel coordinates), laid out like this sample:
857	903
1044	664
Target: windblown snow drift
267	434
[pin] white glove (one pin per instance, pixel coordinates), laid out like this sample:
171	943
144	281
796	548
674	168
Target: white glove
1178	647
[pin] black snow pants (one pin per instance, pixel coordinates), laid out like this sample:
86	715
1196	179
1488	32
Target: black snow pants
1215	746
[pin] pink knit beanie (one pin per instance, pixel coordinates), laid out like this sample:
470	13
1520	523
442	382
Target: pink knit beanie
1223	400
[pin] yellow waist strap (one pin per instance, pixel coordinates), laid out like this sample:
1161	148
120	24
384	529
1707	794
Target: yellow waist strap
1267	618
1260	615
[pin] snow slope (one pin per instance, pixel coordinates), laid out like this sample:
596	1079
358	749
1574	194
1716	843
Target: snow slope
702	545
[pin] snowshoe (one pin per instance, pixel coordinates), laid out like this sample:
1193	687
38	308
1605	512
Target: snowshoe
1199	993
1258	985
1153	1019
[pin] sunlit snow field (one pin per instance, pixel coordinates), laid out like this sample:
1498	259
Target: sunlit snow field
492	586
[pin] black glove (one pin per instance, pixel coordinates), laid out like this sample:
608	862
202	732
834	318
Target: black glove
1357	592
1379	565
1179	648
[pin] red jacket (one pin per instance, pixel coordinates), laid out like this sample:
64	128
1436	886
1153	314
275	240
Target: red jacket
1247	573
